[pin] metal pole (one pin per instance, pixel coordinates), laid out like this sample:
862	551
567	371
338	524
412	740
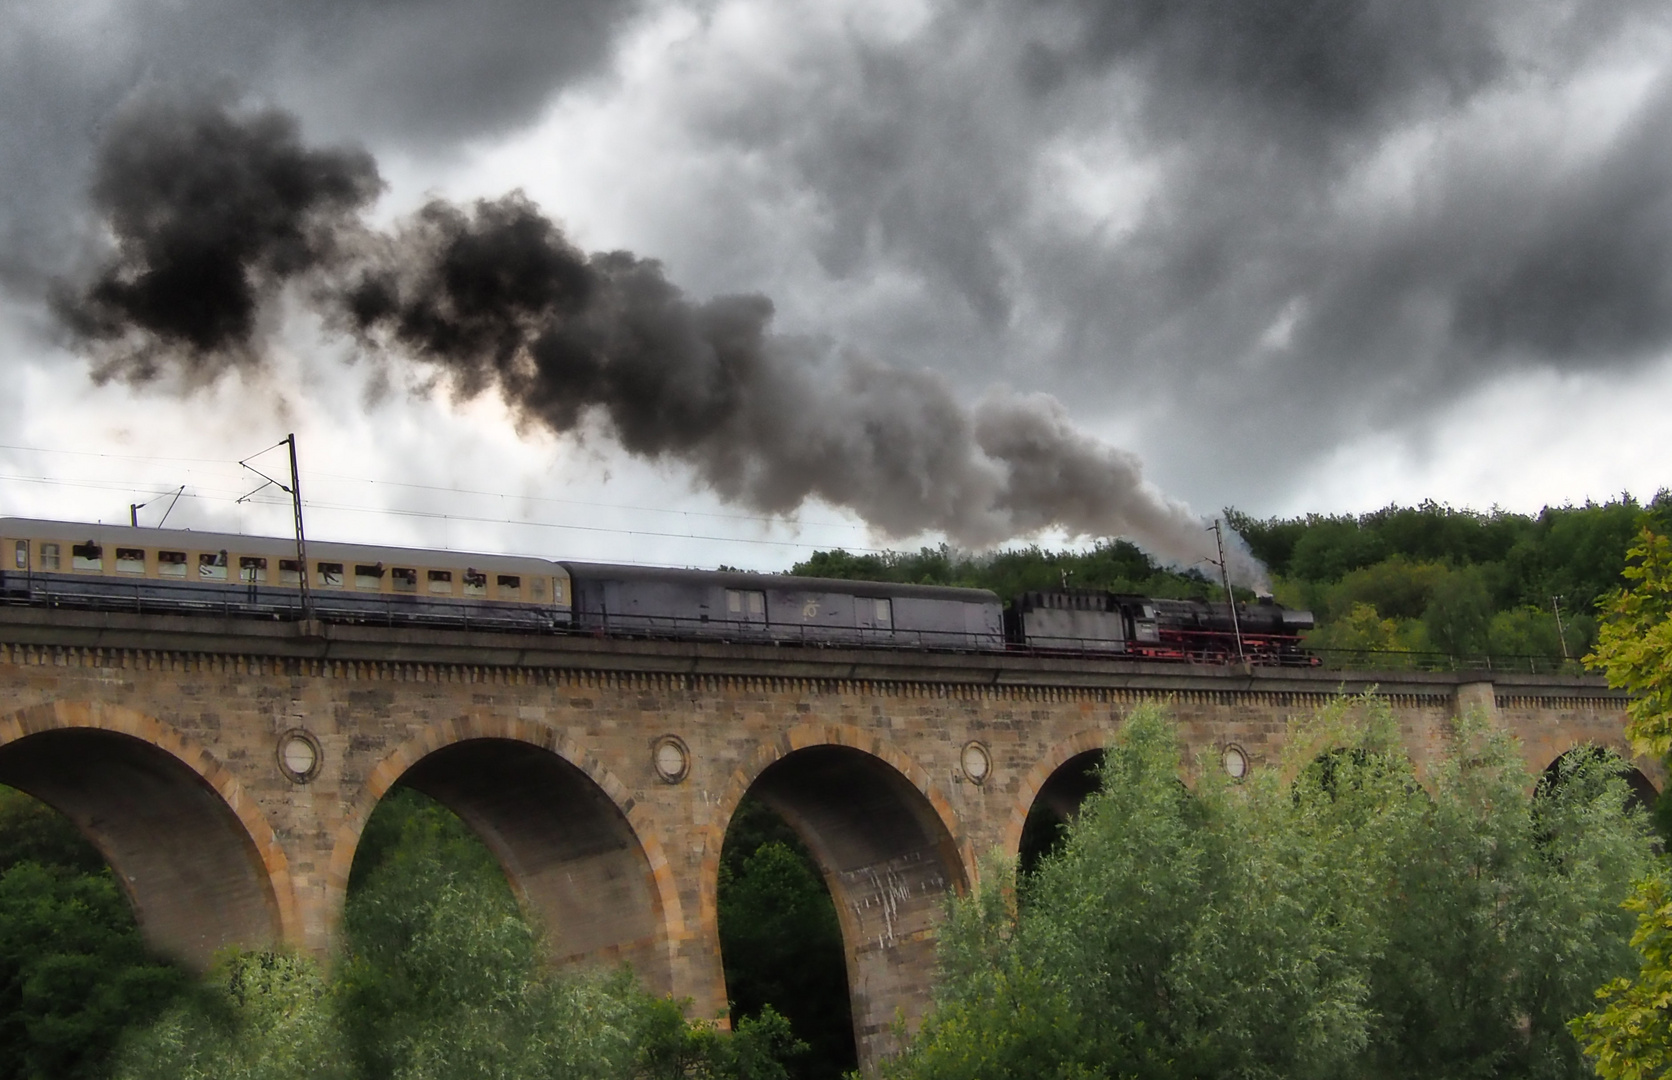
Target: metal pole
1556	606
1225	576
133	514
301	539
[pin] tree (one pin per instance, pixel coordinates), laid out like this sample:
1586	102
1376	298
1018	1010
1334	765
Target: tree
1363	631
782	947
73	968
1634	643
1631	1037
260	1016
1459	616
1335	914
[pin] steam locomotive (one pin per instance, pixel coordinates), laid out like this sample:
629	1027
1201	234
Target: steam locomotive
121	568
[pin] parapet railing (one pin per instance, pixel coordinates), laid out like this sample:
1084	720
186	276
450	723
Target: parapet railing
283	605
1413	660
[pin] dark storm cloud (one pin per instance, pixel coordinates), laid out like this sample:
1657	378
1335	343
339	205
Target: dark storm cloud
418	74
1337	63
1248	230
1269	274
215	213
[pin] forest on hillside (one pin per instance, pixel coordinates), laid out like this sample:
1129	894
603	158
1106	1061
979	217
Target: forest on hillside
1426	585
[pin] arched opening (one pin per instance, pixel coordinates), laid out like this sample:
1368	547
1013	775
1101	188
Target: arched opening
1056	806
567	850
191	871
74	968
1641	790
781	939
888	861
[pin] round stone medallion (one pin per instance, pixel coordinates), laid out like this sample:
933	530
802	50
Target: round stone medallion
671	757
299	755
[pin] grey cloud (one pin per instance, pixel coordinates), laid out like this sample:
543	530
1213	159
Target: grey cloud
1260	120
418	75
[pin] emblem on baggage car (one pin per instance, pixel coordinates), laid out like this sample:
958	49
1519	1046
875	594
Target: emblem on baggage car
810	609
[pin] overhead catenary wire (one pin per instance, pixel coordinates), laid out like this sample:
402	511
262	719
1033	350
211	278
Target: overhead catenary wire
229	497
586	504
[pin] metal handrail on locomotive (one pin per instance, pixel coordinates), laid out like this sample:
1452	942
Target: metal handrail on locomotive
125	568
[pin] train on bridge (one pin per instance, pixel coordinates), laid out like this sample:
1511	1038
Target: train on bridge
123	568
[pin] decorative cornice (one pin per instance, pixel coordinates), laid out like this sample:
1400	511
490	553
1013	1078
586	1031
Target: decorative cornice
1187	689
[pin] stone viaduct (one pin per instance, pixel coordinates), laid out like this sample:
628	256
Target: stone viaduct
225	769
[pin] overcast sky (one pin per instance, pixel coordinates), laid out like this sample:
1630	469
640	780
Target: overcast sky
1291	256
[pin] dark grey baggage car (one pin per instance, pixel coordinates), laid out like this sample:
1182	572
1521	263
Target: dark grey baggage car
730	606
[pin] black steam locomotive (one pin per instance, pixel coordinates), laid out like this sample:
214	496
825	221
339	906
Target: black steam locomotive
1078	621
110	567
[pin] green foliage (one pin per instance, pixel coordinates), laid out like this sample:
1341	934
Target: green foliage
1463	583
1362	629
260	1016
673	1049
1576	552
1459	614
439	975
1397	587
1634	644
1329	916
32	831
1332	547
1528	631
1631	1038
781	941
73	969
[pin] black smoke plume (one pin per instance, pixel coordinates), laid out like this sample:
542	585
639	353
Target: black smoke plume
214	213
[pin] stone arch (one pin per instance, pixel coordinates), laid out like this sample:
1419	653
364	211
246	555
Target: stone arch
578	850
1054	764
888	844
1643	791
198	860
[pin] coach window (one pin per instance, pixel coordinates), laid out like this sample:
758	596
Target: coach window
369	578
290	572
475	583
252	569
22	555
330	574
171	564
211	566
130	560
883	614
537	590
403	579
441	581
746	605
510	587
88	557
49	556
